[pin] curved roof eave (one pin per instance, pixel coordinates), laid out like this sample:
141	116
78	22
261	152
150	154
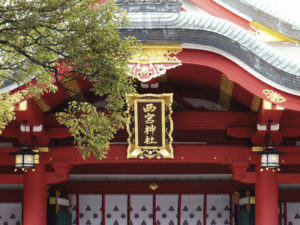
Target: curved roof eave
268	15
184	27
8	86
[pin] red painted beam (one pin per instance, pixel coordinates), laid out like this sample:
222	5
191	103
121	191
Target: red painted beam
289	195
291	132
240	132
54	178
11	132
216	154
33	114
235	73
237	124
211	120
269	112
11	196
211	154
247	132
58	133
288	178
61	172
239	172
11	178
193	120
52	132
143	187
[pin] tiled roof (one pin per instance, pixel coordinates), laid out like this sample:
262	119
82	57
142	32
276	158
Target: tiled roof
276	16
184	27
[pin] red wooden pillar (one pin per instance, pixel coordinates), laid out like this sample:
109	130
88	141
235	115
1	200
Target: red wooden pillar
35	197
266	197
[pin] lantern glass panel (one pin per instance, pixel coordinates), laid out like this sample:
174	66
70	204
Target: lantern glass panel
28	160
264	160
19	161
270	160
273	160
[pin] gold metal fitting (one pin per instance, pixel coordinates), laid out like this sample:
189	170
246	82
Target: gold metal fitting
153	186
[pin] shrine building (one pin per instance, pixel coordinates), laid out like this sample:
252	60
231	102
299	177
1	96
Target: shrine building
213	133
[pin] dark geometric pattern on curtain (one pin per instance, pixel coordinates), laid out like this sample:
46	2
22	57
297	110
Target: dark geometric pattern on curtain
293	213
142	205
218	210
10	213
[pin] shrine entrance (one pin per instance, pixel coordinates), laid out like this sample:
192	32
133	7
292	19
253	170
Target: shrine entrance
150	209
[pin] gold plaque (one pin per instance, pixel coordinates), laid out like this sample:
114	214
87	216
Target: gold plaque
150	126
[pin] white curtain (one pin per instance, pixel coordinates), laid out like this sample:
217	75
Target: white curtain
141	209
11	213
90	210
192	209
218	209
116	210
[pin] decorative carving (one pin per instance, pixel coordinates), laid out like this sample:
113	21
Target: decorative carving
150	126
266	34
153	61
273	96
153	186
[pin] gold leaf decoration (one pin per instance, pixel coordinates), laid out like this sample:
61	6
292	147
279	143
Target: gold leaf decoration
273	96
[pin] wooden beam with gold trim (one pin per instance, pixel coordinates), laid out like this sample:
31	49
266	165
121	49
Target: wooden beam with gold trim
225	95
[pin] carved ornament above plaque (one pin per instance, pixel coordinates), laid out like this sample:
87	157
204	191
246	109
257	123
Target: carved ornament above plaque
153	61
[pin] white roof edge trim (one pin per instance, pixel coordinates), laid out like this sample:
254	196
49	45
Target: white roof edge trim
191	7
273	11
222	27
235	11
9	88
241	64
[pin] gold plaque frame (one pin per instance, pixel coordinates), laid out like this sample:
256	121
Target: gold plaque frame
165	150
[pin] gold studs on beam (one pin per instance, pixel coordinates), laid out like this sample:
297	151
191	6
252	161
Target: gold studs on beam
273	170
24	170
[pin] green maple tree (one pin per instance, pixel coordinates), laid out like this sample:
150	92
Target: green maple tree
39	36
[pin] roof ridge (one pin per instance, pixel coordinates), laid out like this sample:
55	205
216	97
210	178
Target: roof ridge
267	15
186	20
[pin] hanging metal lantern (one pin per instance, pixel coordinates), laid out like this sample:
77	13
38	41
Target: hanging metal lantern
270	158
24	158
